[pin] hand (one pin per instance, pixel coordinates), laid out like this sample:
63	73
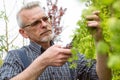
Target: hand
103	72
56	55
94	22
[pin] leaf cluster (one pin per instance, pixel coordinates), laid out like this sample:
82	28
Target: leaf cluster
110	24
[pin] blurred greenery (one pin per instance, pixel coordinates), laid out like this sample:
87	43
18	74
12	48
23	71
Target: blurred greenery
110	24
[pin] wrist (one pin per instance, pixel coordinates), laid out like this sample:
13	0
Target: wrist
41	60
98	35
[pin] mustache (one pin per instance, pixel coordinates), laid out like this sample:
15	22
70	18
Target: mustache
45	32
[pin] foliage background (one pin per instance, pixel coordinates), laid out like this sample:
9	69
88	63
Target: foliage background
110	24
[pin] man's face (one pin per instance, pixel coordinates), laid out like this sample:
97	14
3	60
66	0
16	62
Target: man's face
37	25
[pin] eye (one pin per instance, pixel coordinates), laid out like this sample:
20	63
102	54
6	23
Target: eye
45	18
36	23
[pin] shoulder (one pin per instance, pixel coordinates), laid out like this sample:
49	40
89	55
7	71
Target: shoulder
12	65
13	56
14	53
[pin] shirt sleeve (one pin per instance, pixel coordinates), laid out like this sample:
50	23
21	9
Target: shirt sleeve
86	69
10	67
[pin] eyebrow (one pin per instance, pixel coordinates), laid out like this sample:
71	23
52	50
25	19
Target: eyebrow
34	21
39	18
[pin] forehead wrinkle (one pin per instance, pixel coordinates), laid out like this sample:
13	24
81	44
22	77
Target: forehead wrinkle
30	15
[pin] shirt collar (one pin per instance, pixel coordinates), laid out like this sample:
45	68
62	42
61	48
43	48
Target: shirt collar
38	48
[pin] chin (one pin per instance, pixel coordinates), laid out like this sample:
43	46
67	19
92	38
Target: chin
47	38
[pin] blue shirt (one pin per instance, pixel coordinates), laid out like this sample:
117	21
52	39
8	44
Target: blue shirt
13	66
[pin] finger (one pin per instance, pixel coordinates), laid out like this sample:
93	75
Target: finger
58	64
64	59
92	17
93	24
61	63
66	51
66	56
56	45
96	12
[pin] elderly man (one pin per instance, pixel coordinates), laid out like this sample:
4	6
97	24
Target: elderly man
47	60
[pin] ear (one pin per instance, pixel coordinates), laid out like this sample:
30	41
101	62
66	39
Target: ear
23	33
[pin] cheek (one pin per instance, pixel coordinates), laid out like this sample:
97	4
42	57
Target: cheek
33	32
49	27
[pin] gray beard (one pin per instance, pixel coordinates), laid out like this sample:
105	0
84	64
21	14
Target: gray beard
47	38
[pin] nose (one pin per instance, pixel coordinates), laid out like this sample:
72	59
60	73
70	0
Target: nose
44	24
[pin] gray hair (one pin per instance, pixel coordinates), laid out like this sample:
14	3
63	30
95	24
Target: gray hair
29	5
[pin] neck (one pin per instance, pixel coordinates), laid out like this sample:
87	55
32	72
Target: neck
45	45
